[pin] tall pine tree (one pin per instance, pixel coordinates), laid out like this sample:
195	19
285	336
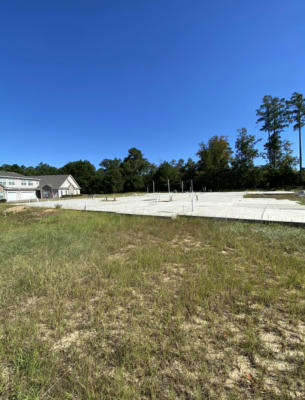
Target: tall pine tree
274	118
296	112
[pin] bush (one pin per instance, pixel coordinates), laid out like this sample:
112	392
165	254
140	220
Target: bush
2	200
64	196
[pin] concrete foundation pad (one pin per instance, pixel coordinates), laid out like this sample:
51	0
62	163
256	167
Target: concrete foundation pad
228	205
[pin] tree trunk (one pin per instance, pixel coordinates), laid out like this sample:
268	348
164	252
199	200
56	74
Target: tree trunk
269	150
300	149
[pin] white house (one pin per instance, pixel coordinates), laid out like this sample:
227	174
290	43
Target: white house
16	187
57	186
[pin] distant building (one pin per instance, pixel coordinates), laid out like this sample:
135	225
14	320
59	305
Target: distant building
17	187
54	186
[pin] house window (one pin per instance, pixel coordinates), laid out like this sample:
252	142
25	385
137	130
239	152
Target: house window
11	183
1	195
23	183
30	183
2	182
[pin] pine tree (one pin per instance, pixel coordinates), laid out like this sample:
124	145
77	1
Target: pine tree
296	111
273	114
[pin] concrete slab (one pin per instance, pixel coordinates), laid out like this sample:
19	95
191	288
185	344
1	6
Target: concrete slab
228	205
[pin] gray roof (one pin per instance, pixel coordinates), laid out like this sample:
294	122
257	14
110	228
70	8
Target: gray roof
7	174
54	181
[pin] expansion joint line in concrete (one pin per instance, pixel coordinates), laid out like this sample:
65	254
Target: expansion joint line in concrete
262	216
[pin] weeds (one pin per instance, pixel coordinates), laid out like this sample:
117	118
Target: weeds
104	306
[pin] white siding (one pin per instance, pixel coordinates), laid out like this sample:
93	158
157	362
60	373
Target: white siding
65	187
20	196
30	183
71	182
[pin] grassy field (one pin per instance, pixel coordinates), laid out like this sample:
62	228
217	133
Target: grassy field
103	306
293	197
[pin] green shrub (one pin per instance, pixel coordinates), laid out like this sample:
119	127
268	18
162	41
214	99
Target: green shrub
71	195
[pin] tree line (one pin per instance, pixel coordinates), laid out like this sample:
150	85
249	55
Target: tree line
217	167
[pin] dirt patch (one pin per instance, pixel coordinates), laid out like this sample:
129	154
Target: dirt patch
50	211
186	243
15	210
120	253
76	338
194	324
173	272
29	303
30	213
241	370
271	342
227	250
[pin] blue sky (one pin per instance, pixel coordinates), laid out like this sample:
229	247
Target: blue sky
90	79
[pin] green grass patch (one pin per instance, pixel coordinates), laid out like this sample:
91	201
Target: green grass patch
107	306
292	197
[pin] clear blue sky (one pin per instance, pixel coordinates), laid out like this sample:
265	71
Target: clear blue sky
84	79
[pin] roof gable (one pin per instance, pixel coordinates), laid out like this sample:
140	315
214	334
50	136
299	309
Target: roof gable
70	180
54	181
